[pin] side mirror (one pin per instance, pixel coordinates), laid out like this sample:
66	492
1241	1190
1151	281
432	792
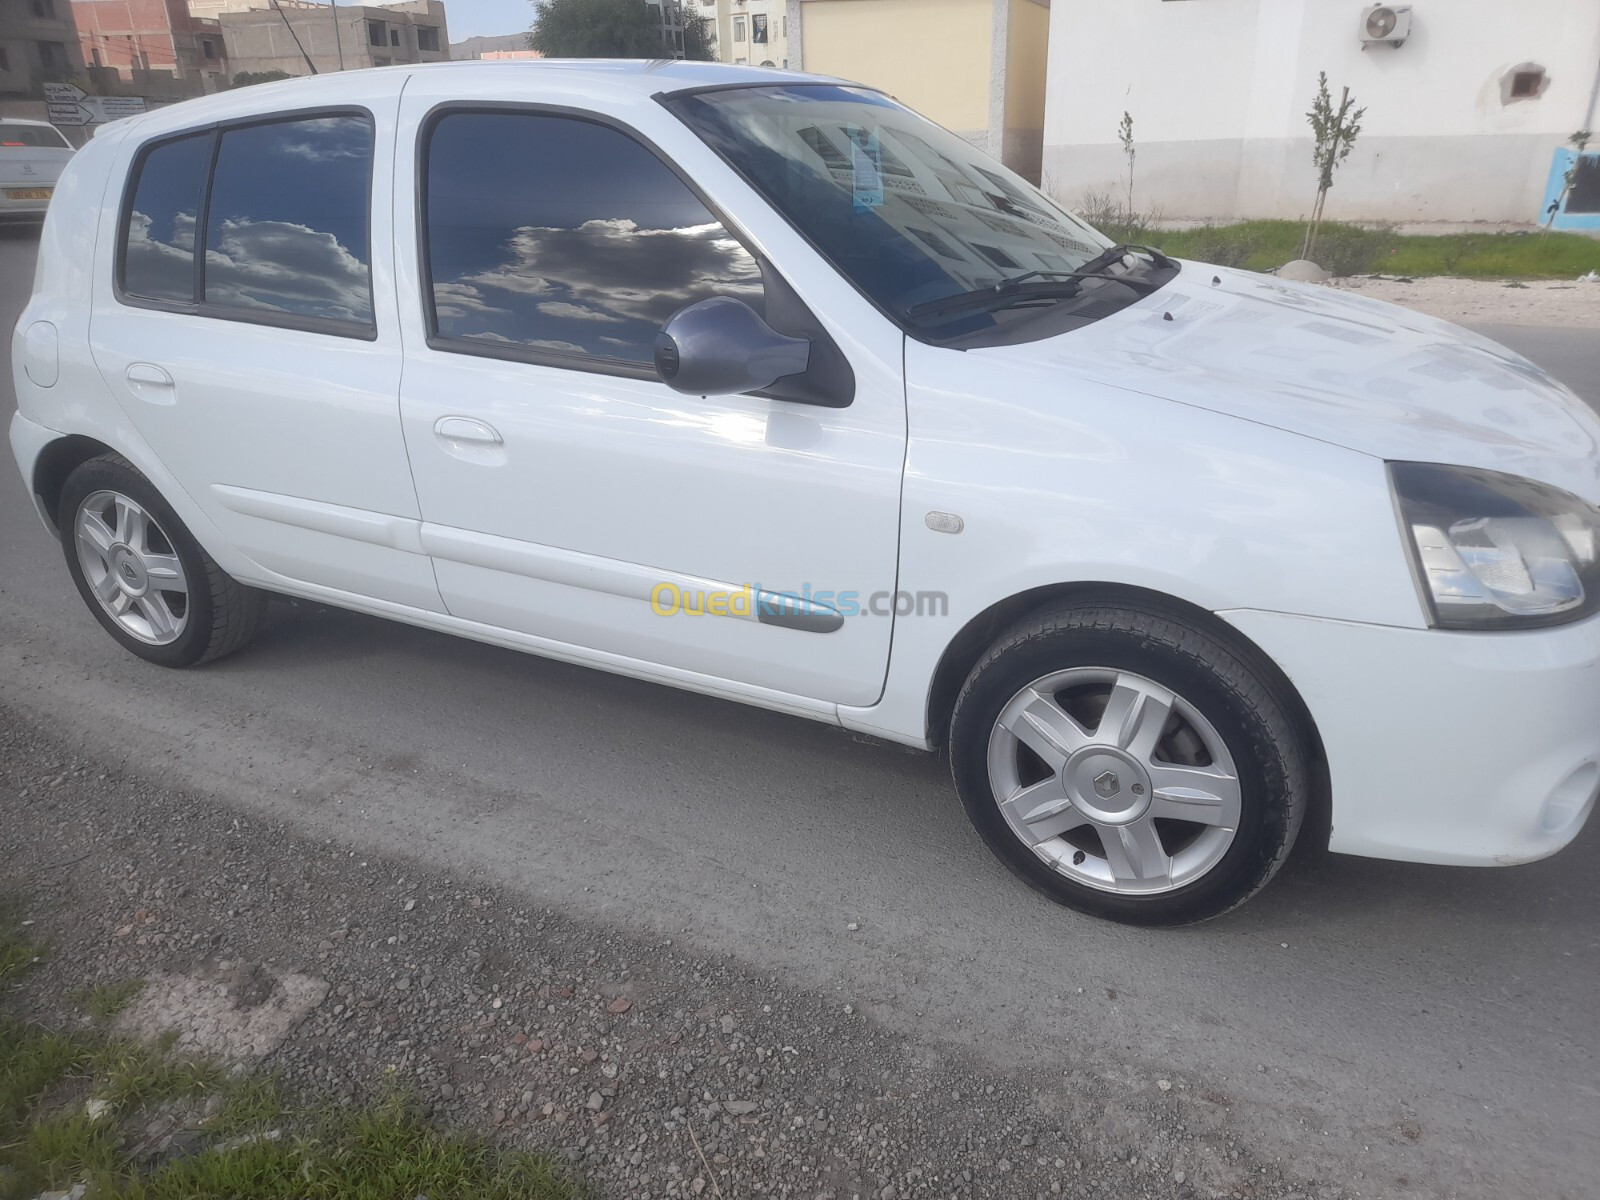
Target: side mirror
722	347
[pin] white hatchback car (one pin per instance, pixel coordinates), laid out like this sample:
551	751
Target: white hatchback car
756	383
32	154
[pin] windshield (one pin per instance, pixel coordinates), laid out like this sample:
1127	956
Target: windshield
34	136
909	212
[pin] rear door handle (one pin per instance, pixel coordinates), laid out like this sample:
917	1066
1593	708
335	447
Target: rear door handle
466	430
150	382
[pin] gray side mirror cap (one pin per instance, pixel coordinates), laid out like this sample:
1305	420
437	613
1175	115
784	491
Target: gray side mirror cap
722	347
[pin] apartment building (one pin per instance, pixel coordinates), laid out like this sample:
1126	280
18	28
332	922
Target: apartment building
151	35
287	37
38	44
751	31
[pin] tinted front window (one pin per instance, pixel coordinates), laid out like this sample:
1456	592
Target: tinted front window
158	261
287	225
567	237
907	211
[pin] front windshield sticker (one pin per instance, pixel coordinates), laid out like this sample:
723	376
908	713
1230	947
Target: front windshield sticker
866	168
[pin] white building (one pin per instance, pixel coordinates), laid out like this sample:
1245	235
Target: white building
1465	116
755	32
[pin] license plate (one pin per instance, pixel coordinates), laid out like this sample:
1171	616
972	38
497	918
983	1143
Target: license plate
28	193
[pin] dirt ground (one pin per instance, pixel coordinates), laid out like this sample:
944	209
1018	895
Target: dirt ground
1566	304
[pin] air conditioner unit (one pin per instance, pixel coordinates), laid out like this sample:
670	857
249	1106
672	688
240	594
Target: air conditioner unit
1385	23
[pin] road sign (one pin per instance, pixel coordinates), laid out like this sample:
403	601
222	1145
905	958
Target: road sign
68	105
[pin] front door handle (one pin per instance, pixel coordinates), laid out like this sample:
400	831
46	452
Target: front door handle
150	383
467	430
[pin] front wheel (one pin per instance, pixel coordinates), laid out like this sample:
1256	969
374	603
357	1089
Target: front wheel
142	574
1129	764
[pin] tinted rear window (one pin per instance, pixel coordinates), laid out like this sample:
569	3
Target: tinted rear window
287	224
158	259
36	136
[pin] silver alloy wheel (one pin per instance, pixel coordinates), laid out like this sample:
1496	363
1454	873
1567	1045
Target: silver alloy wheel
132	567
1114	781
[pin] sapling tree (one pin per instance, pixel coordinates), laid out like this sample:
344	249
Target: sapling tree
1125	136
1334	131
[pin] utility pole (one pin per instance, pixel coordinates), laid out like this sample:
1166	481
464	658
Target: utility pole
337	43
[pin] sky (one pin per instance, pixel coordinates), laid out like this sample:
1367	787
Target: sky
474	18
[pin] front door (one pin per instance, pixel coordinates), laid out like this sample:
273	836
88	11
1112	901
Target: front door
568	494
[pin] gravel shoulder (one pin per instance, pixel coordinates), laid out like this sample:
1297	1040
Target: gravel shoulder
1563	304
656	1068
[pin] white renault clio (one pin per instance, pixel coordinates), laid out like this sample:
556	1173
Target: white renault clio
757	384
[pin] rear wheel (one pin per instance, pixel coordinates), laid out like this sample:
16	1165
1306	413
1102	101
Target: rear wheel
142	574
1129	764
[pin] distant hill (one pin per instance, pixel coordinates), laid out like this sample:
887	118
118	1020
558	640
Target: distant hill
474	47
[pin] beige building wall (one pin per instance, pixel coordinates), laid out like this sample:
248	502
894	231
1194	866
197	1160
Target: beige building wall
976	67
930	54
1026	67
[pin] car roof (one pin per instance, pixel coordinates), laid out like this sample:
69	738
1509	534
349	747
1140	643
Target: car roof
24	121
475	79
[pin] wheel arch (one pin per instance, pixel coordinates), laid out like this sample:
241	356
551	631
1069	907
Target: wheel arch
974	638
55	462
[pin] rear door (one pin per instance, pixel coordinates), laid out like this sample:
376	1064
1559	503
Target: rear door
247	329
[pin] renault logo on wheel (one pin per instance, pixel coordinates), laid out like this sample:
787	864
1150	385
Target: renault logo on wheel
1106	785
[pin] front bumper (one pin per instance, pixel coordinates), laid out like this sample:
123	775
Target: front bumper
1470	749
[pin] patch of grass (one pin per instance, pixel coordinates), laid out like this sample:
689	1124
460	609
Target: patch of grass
106	1001
54	1152
130	1075
262	1146
249	1105
1468	255
18	952
372	1153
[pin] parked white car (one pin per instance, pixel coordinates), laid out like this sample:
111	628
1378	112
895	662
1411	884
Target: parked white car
32	154
1169	558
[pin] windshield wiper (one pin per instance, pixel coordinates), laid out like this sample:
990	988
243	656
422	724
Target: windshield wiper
1053	285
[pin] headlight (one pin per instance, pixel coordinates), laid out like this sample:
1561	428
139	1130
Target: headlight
1497	551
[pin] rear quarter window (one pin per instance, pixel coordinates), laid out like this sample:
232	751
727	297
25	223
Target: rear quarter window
267	221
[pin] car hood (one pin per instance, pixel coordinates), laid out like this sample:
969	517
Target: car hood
24	165
1373	377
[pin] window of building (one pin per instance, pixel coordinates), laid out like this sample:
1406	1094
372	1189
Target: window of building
94	56
934	242
158	242
428	39
44	9
379	61
1527	83
284	226
394	37
738	29
758	28
52	56
375	34
5	60
208	48
576	268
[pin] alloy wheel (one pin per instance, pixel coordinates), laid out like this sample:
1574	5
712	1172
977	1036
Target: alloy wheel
1114	781
132	568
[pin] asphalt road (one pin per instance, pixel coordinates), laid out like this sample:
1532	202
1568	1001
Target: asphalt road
1406	1030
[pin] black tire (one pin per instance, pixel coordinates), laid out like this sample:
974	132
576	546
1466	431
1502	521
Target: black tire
221	616
1243	703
